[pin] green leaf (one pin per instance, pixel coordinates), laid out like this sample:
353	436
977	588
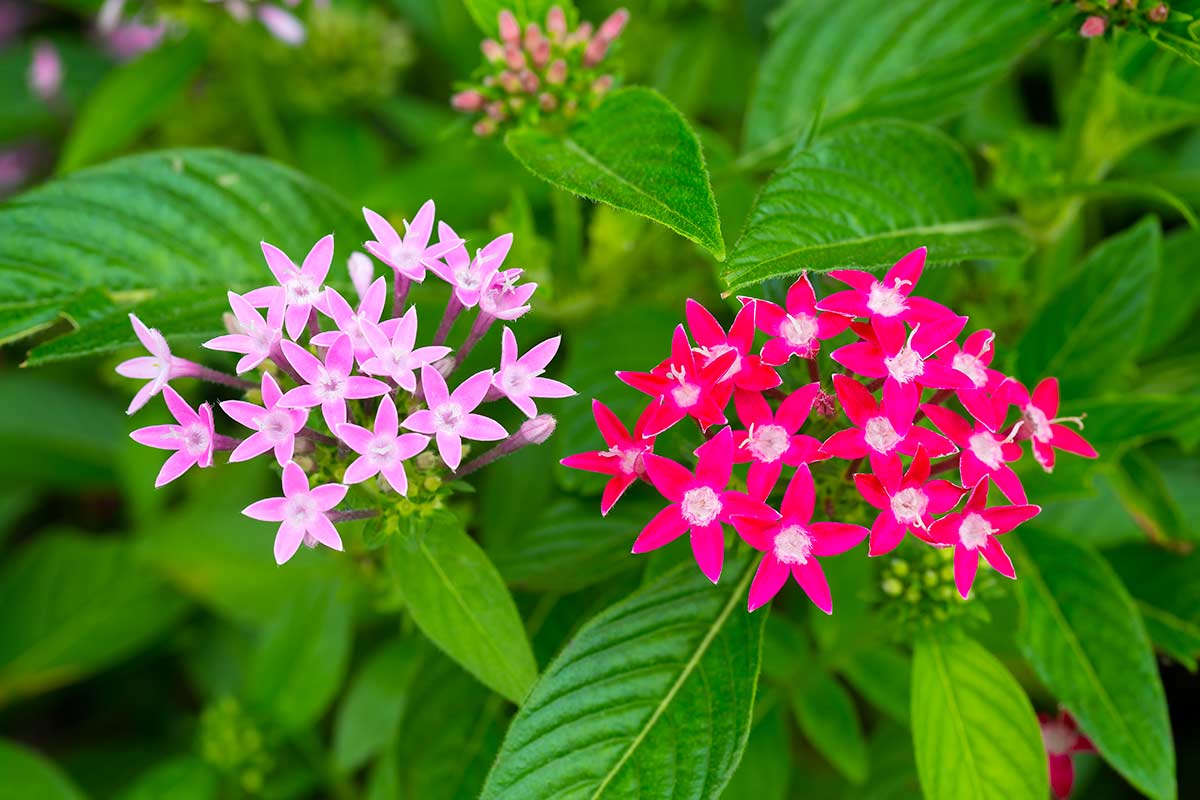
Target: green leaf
1083	636
914	60
974	731
1176	293
182	778
301	659
766	766
882	675
1144	493
864	197
1166	588
639	690
129	99
72	604
634	152
458	599
370	715
828	719
1093	326
486	13
168	220
1132	418
28	775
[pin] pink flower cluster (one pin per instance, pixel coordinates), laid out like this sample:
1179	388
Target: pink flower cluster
904	364
380	395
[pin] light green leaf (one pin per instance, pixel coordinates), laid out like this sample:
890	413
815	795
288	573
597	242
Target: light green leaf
129	99
634	152
458	599
182	778
28	775
1093	326
1176	293
1083	636
862	198
72	604
486	13
974	731
301	658
914	60
1131	418
828	719
379	693
1166	588
639	691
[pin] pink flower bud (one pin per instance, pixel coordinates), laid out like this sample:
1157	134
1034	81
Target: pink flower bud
469	100
557	73
529	82
596	50
509	82
547	101
538	429
1092	27
492	50
485	127
1159	13
602	84
611	28
362	271
533	36
45	71
541	54
496	110
282	25
510	29
556	23
514	57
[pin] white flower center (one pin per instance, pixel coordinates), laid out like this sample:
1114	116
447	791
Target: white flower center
685	395
329	387
467	278
987	449
405	257
629	459
1036	419
700	506
263	339
908	505
1059	739
516	380
196	439
301	290
905	365
711	354
880	436
768	443
972	367
974	531
447	417
300	510
382	450
886	301
798	329
793	545
276	426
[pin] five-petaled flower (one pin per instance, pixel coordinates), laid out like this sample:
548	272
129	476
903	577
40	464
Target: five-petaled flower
302	513
1045	429
330	384
770	440
449	417
353	322
906	502
623	459
257	338
798	328
302	287
984	454
192	438
747	370
520	377
157	368
681	387
974	360
1062	739
274	426
470	276
383	451
393	353
409	255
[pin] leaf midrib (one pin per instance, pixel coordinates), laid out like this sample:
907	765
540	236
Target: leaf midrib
960	728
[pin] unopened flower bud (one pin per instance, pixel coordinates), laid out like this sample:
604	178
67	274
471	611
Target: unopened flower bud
496	111
509	82
556	23
611	28
533	431
602	84
231	324
514	57
538	429
492	50
557	73
529	82
547	101
45	71
1159	13
485	127
1092	27
469	100
362	269
533	36
540	54
510	29
825	404
571	107
596	50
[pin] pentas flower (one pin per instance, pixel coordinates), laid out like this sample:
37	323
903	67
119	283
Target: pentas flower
301	513
747	370
681	387
972	533
623	459
258	338
392	351
792	544
384	451
1062	739
302	287
470	276
699	503
797	329
449	417
519	377
353	322
192	438
974	360
875	437
771	440
45	72
160	366
1043	426
330	384
409	255
275	427
504	298
984	454
906	502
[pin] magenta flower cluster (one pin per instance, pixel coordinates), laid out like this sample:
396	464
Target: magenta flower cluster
904	364
380	395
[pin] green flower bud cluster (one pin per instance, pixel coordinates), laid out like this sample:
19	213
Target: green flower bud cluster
916	584
232	744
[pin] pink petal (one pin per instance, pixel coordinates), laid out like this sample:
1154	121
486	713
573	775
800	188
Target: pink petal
768	580
777	352
1007	482
855	278
1045	397
287	542
541	354
1062	775
450	449
849	303
666	526
410	444
163	437
549	388
593	462
358	387
334	413
800	297
871	488
670	478
269	510
1005	518
799	498
302	361
708	547
794	409
323	531
339	309
179	462
900	401
938	375
935	444
812	580
396	478
949	423
284	450
660	417
295	319
886	535
714	465
328	495
907	269
147	367
703	325
387	423
508	348
300	397
358	438
244	413
421	227
613	491
340	358
524	403
254	445
481	428
994	554
609	424
752	408
862	357
1066	439
179	407
434	387
280	265
966	564
421	421
761	480
835	538
317	262
382	230
847	444
943	496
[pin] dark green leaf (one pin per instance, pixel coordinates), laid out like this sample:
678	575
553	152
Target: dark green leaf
634	152
460	602
642	688
882	675
828	719
1083	635
766	767
1131	418
1176	293
974	731
1166	588
370	714
864	197
183	778
1144	494
28	775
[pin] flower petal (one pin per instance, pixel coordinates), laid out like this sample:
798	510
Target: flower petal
666	526
708	548
768	580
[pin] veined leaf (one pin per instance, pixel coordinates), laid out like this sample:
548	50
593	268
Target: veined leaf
30	775
634	152
1176	293
1166	588
974	731
826	713
369	716
1082	633
862	198
652	698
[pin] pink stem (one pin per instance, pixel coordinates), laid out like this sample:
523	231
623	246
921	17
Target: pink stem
453	309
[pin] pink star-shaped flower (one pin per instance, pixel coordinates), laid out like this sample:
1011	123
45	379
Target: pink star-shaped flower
274	426
330	384
383	451
392	350
192	438
519	378
699	503
157	368
973	359
889	303
798	329
504	298
771	439
362	272
972	533
874	437
681	387
623	459
409	255
353	322
259	337
301	513
302	287
1062	739
984	454
449	418
792	543
1046	432
906	503
470	276
747	370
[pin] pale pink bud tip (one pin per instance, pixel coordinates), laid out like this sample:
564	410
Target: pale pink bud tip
492	50
602	84
538	429
611	28
485	127
556	22
361	272
529	81
45	71
1092	27
1160	13
557	73
470	100
514	57
282	25
510	29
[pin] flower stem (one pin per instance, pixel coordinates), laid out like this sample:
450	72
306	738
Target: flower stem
814	369
400	287
190	369
453	309
945	465
940	397
317	436
352	514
